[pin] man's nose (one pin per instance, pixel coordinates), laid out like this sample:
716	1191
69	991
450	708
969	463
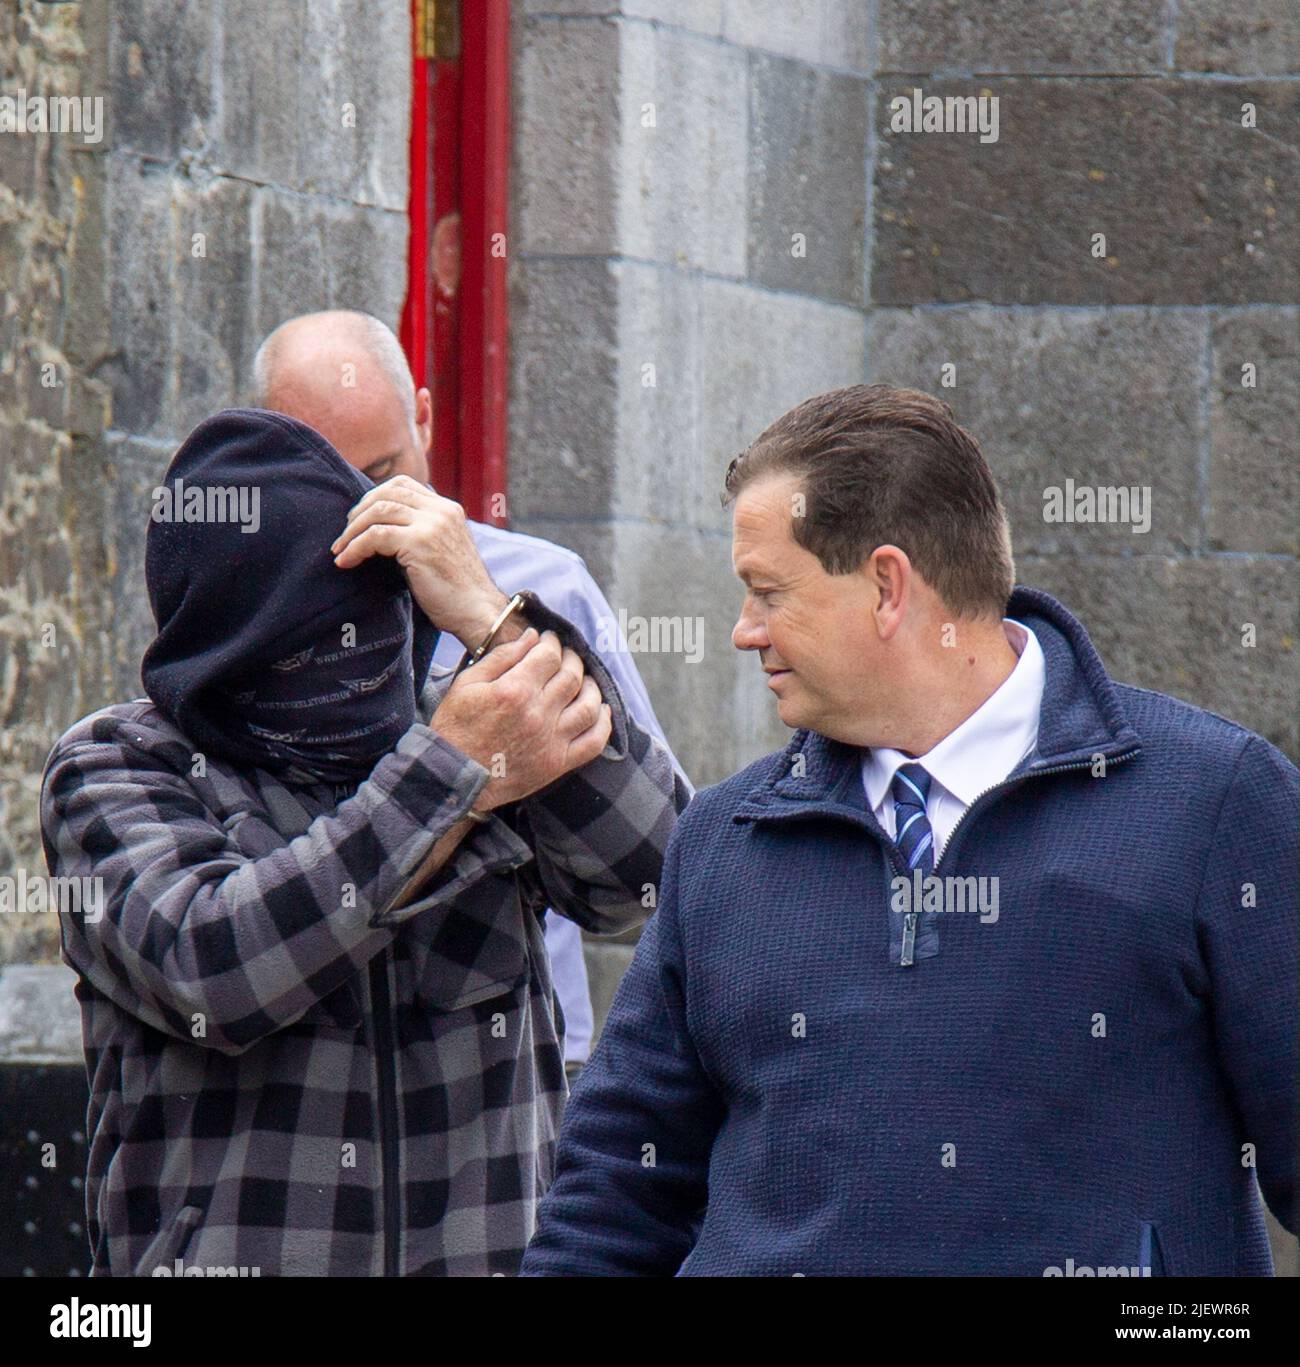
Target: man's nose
749	633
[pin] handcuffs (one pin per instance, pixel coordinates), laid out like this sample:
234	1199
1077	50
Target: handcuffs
516	604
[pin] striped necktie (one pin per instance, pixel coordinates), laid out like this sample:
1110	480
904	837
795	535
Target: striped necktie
913	836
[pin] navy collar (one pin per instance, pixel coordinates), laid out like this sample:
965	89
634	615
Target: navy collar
1082	717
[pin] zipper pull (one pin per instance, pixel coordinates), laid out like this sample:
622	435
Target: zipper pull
909	939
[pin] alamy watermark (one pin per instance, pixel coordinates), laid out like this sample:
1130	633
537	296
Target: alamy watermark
24	113
181	1269
1073	1269
179	502
1121	503
951	894
682	636
72	1320
66	896
922	113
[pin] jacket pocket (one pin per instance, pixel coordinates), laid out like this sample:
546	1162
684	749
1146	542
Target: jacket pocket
1150	1254
170	1243
474	949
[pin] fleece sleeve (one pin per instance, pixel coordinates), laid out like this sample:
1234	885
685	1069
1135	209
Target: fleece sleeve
632	1168
1246	920
200	940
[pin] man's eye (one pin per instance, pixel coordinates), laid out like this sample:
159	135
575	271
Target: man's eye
378	473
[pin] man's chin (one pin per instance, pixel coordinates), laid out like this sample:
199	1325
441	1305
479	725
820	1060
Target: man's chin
793	704
792	715
801	714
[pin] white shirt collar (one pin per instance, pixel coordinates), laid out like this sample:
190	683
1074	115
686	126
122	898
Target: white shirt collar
988	745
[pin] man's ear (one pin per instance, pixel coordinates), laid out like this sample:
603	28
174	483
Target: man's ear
424	421
888	572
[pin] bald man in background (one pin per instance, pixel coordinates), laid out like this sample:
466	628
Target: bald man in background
344	373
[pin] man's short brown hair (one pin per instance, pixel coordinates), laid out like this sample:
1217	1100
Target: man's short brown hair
884	466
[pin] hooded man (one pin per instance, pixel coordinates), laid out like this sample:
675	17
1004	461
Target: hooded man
344	374
317	1009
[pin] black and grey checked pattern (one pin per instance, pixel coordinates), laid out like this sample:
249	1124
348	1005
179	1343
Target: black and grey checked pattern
286	1074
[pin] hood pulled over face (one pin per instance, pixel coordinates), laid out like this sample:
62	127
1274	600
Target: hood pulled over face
267	654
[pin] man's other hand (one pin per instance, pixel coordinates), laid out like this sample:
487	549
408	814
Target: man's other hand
429	537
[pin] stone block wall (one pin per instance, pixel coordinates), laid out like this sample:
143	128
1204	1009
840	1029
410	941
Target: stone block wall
252	165
690	237
1170	360
53	412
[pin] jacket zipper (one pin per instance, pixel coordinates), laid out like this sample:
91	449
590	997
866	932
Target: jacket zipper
390	1200
386	1075
910	917
382	1037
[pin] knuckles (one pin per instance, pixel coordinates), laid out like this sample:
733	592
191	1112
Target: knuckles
512	695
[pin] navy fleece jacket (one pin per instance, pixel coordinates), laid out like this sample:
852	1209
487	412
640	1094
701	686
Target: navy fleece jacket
1094	1080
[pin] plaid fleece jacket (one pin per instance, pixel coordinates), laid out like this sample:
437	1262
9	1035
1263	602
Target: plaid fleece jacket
286	1073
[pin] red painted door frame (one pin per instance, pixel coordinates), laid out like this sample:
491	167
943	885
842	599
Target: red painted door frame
455	320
